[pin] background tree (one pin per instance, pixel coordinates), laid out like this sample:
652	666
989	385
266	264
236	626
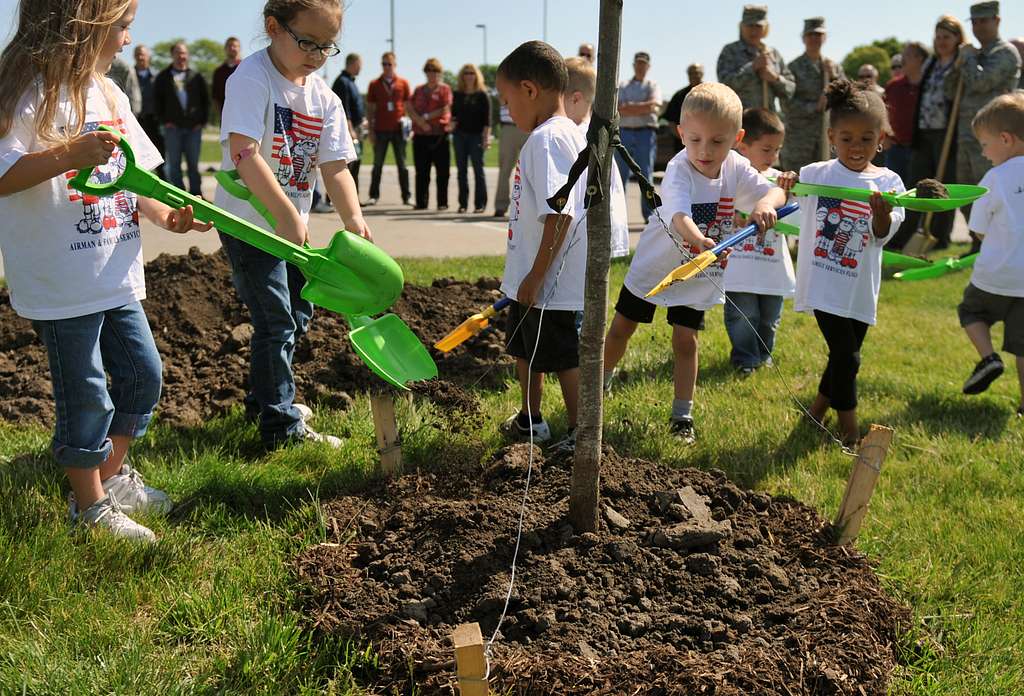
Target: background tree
878	53
204	55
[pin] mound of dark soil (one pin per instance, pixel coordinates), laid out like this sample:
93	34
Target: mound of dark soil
691	586
203	332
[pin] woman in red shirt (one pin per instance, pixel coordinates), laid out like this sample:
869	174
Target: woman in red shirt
431	112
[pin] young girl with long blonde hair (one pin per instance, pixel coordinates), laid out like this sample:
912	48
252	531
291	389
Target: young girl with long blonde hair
74	262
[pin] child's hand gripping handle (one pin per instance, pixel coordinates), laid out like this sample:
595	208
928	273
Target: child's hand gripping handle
81	180
751	230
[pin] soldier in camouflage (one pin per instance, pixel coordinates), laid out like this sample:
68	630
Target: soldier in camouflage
757	73
986	73
805	110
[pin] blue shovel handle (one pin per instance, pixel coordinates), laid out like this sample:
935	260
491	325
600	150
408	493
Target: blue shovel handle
751	230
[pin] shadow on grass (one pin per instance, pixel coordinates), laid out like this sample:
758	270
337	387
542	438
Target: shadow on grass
713	372
973	417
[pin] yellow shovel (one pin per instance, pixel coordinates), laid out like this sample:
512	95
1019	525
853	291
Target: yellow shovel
471	327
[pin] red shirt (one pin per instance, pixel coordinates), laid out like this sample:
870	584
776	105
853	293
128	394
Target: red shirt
901	100
389	100
425	100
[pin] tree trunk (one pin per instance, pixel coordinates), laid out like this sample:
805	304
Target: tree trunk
584	490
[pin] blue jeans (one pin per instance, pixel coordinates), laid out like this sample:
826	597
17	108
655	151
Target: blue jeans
81	352
469	147
176	141
640	144
752	347
270	289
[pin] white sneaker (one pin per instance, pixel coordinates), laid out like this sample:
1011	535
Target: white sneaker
133	495
541	431
305	412
106	514
314	436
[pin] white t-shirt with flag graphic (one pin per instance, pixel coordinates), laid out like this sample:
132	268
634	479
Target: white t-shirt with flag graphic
710	203
762	266
67	254
543	168
298	128
839	264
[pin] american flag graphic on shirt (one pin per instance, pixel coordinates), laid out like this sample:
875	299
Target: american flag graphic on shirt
713	219
842	231
296	143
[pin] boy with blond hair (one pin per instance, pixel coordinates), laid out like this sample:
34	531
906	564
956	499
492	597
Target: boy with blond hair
579	101
996	290
703	186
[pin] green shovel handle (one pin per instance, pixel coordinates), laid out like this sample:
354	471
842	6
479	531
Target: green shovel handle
232	183
937	269
959	195
130	180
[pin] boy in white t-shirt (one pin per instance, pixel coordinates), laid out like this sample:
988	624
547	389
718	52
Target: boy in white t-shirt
760	272
546	260
703	186
579	98
996	290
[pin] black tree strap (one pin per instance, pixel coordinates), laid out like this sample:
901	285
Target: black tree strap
594	192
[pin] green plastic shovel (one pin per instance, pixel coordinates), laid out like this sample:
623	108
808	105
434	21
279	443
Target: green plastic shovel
959	195
937	269
890	259
386	344
351	276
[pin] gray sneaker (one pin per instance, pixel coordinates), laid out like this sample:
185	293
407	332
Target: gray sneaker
305	412
313	436
106	514
133	495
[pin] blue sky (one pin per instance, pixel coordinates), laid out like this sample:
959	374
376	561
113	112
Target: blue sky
675	32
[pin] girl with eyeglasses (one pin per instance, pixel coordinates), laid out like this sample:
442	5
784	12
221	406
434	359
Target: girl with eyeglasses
281	123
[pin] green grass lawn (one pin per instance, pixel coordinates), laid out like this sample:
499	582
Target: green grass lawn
211	609
211	153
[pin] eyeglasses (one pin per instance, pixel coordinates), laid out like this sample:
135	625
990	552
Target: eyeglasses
586	55
431	70
386	65
309	46
469	74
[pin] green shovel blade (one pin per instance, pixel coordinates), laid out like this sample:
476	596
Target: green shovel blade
938	269
390	348
890	259
959	195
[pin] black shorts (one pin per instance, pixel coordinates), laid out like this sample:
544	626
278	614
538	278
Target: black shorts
981	305
641	311
559	346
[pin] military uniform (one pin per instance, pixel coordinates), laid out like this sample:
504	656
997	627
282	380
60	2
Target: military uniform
803	119
988	73
735	68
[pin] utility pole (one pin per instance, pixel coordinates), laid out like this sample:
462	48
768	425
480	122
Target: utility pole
585	486
484	27
391	39
545	21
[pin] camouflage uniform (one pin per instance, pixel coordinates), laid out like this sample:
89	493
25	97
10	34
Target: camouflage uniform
990	72
803	120
736	71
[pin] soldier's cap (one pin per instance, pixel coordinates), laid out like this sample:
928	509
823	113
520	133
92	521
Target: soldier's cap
642	55
985	10
755	14
814	25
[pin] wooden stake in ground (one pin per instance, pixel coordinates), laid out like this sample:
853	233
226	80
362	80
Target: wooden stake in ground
861	484
584	490
389	444
470	660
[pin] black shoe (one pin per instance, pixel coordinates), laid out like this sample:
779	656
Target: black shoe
408	201
419	207
477	211
1020	411
985	372
462	210
683	429
499	213
744	371
442	207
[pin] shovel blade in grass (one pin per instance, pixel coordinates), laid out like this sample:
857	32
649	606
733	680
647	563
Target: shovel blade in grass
471	327
938	269
700	262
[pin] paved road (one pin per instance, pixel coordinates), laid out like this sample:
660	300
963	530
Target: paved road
400	230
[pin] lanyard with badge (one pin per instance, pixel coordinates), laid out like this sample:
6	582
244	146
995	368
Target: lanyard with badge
389	87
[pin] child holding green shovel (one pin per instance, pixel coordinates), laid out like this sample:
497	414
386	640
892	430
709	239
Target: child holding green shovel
73	262
281	122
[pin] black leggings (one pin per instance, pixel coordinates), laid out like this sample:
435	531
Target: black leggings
844	337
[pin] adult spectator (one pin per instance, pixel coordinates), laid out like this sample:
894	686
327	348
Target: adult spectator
355	108
471	115
431	112
639	104
931	123
510	142
755	71
232	57
385	112
867	75
146	79
805	110
586	51
985	74
183	107
124	77
896	65
901	96
1018	43
674	110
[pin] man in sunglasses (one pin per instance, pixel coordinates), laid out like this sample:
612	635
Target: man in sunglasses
385	113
